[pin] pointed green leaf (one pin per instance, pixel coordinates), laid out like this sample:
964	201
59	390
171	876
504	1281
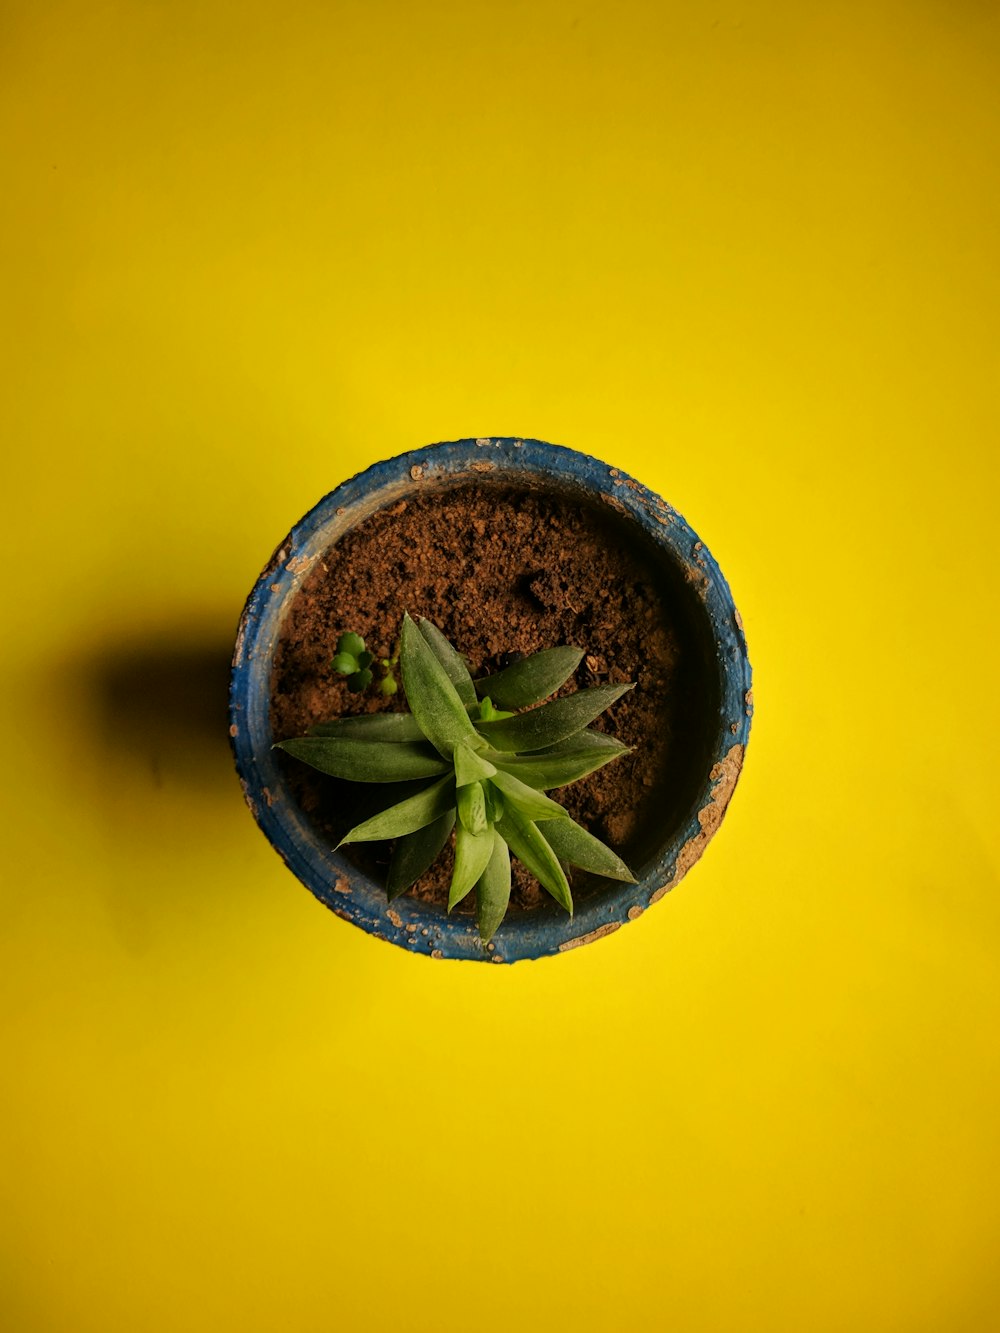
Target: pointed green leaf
590	736
365	761
451	660
551	722
532	679
528	844
494	802
469	766
372	727
417	851
407	816
472	807
433	700
472	851
574	844
493	889
563	763
487	713
531	803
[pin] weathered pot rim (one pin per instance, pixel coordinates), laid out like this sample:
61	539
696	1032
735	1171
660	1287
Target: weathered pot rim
422	927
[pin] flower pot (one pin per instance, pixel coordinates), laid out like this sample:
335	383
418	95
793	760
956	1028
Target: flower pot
704	768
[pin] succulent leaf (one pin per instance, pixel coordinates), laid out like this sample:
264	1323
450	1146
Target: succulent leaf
345	664
487	713
470	766
359	680
407	816
493	889
528	844
589	736
472	852
472	807
451	660
416	852
532	679
366	761
494	802
575	845
560	764
380	727
432	697
528	800
551	722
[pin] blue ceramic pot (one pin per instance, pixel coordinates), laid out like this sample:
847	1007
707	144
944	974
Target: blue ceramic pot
667	542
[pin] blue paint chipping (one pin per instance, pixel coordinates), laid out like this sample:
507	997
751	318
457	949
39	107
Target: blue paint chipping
422	927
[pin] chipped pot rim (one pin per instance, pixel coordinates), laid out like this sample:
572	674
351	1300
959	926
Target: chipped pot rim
423	927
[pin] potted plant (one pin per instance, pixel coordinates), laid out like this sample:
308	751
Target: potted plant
505	548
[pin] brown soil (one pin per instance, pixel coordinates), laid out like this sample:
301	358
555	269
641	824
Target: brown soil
502	573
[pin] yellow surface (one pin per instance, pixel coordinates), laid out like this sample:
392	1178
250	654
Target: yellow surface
747	253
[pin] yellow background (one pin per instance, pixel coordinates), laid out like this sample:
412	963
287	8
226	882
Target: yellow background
746	252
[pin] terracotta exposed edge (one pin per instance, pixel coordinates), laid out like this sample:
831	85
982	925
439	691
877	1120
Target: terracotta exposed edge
608	929
724	776
277	558
248	798
241	635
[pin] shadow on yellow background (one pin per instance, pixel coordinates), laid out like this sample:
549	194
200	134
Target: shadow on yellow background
748	254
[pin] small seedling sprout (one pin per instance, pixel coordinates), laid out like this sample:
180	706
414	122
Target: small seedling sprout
353	660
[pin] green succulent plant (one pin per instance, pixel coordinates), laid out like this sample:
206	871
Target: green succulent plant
479	769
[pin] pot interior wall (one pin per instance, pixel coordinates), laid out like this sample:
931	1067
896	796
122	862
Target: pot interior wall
506	569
